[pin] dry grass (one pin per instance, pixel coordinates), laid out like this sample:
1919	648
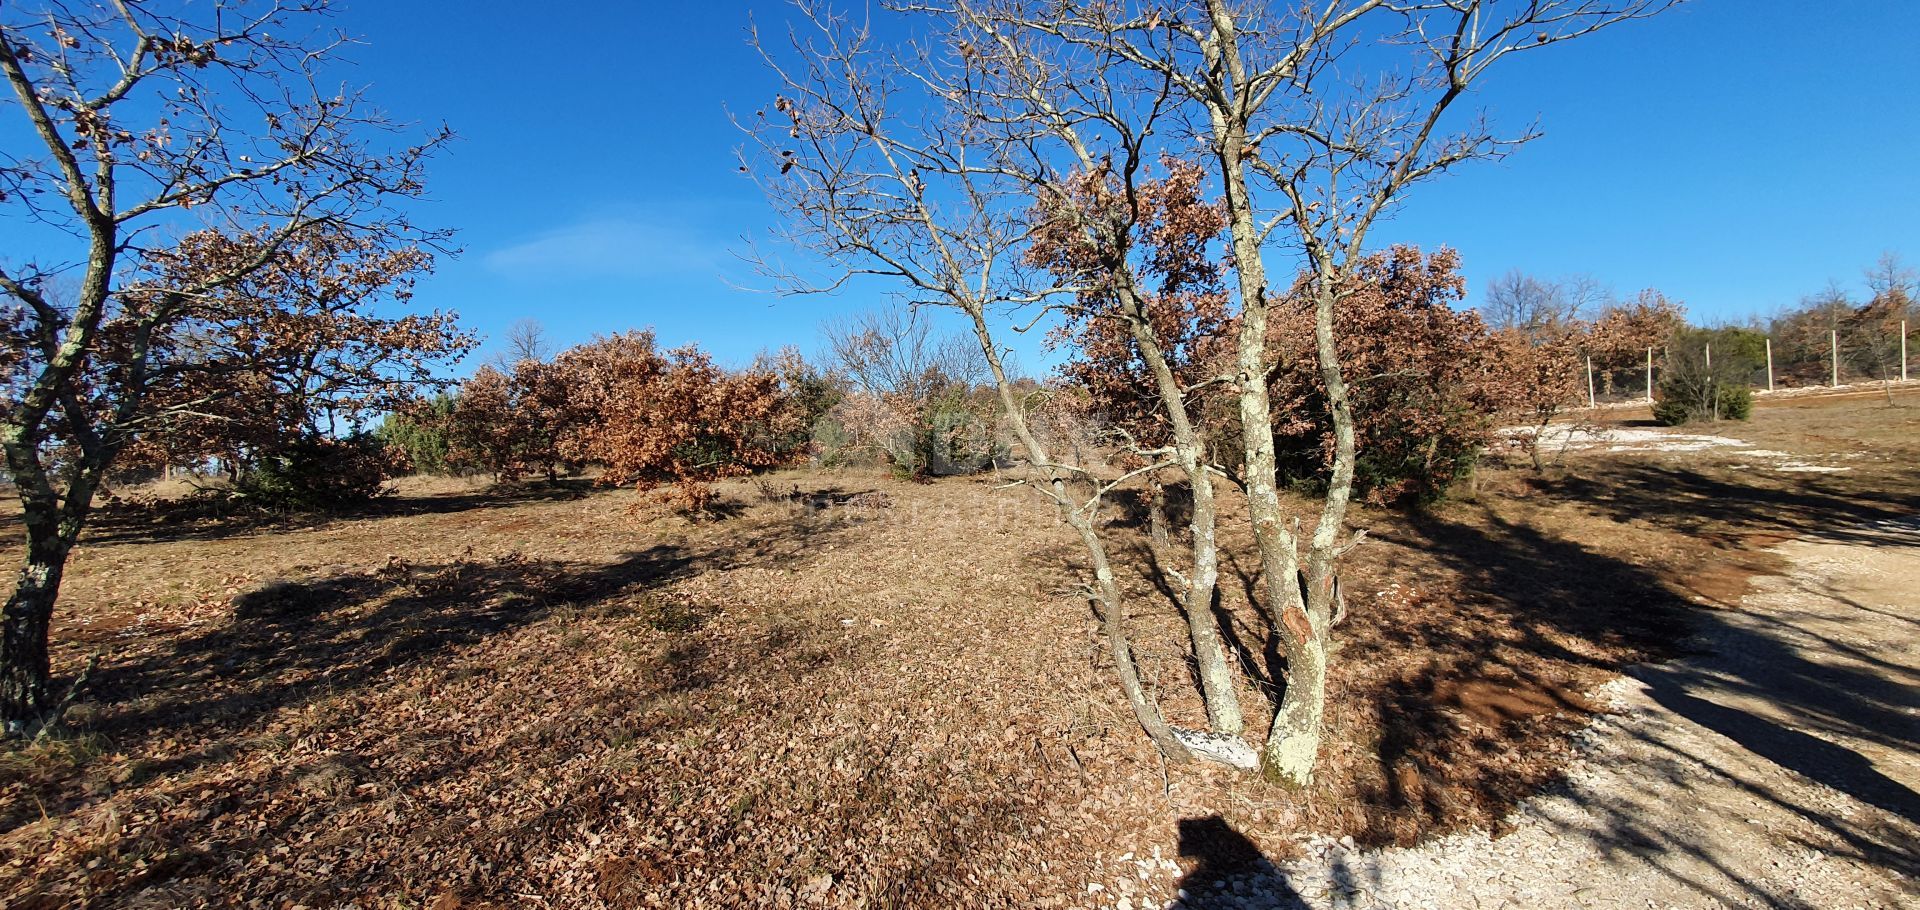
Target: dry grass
473	698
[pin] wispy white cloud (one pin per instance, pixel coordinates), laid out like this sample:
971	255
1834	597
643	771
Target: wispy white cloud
609	247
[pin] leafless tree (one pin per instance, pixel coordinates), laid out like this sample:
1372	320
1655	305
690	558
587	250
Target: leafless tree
915	166
1540	308
148	120
912	394
895	351
1891	276
1309	158
913	195
525	340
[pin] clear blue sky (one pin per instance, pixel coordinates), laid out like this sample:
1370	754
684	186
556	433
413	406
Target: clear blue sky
1737	154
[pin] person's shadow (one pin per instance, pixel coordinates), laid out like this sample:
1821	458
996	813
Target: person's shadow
1230	872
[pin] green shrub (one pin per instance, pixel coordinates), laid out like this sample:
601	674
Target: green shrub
1670	411
1685	398
317	473
1736	402
1720	387
421	434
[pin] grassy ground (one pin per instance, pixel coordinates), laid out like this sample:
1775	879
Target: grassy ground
876	694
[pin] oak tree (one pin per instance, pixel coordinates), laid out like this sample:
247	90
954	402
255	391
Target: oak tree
148	121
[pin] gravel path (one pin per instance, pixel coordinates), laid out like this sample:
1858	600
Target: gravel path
1777	770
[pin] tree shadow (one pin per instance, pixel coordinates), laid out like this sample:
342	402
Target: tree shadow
1229	870
210	517
1538	606
1835	507
1731	657
291	643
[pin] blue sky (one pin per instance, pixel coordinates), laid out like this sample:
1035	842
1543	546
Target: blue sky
1737	154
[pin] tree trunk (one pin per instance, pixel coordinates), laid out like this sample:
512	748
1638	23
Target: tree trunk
1216	678
25	671
1294	742
1216	675
1145	711
1293	746
1210	654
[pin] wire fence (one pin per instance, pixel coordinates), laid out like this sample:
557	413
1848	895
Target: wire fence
1768	362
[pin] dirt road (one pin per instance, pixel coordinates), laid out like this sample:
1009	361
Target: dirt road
1777	768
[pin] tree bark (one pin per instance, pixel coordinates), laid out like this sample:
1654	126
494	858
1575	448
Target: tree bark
1293	744
25	670
1210	655
1157	514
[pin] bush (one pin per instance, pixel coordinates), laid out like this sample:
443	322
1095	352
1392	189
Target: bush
420	433
1422	376
1670	411
1694	389
317	473
1736	402
947	432
1685	399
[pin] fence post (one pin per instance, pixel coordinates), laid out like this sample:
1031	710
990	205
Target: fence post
1769	342
1649	375
1592	401
1833	341
1903	350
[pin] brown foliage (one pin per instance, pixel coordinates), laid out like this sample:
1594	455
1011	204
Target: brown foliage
1424	377
293	349
671	417
510	424
651	418
1169	224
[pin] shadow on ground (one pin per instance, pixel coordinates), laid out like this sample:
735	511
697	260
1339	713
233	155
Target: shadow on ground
292	642
211	516
1543	592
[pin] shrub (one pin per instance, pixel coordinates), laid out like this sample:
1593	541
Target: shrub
420	433
1422	377
1693	390
1671	411
1683	400
945	432
911	398
656	418
1736	402
319	473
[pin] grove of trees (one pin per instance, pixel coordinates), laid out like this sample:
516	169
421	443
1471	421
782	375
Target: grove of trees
1183	197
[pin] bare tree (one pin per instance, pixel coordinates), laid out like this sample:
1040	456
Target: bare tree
911	167
1891	276
895	351
525	340
148	121
1540	308
913	392
909	194
1308	159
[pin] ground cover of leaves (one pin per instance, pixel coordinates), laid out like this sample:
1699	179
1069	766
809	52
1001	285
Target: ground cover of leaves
873	694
